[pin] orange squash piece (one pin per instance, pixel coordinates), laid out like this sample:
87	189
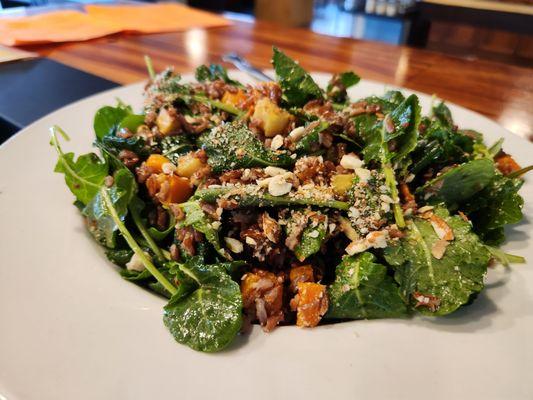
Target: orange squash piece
310	304
235	99
155	163
303	273
506	164
180	189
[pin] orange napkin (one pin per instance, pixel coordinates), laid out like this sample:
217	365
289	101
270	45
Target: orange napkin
58	26
162	17
67	26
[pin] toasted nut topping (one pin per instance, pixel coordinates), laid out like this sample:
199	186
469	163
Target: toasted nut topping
277	142
351	161
234	245
278	186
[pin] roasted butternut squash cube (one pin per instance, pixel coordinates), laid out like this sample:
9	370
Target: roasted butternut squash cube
506	164
303	273
235	99
180	189
155	162
166	122
273	119
188	165
310	304
341	183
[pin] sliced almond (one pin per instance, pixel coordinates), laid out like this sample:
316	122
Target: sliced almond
278	186
234	245
441	228
439	248
351	161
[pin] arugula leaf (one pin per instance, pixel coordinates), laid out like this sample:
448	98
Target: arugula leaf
362	289
119	257
196	217
114	144
206	312
453	279
83	176
296	84
100	222
107	119
460	183
233	146
497	205
245	199
214	72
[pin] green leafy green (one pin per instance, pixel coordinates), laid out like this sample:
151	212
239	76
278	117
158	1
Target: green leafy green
310	142
442	113
505	258
497	205
100	222
119	257
213	72
114	144
83	176
131	122
107	119
338	84
451	280
296	84
172	147
245	199
233	146
362	289
196	217
206	312
460	183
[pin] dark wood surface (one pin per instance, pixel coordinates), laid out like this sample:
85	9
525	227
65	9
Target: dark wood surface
501	92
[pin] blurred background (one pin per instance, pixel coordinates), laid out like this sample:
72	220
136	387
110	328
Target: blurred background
499	30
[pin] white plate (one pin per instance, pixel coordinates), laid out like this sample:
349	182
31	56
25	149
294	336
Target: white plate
71	328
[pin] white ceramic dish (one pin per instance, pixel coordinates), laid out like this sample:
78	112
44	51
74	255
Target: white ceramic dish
71	328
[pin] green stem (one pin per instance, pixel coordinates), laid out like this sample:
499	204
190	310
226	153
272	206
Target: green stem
144	232
267	200
520	172
134	246
390	180
149	67
218	104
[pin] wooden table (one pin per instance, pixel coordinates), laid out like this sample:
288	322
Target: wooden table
501	92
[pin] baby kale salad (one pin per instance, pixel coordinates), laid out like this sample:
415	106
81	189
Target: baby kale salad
285	203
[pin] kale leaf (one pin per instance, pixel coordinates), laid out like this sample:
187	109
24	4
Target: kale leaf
206	312
114	144
497	205
233	146
396	136
442	113
460	183
336	89
450	281
108	201
296	84
213	72
362	289
311	141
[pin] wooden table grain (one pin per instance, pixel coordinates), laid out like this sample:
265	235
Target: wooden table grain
501	92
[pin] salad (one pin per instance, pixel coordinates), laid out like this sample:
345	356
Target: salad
284	203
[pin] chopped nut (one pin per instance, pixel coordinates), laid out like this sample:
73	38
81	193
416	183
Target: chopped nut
357	246
168	168
425	209
278	186
273	171
351	161
297	133
135	263
234	245
439	248
363	174
277	142
442	229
